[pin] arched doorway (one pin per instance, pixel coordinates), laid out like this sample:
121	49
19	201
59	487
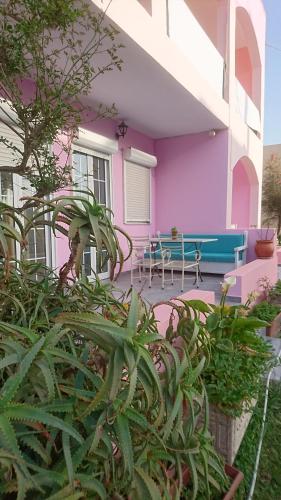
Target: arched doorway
245	194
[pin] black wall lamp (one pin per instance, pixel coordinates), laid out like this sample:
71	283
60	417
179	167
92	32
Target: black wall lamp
121	130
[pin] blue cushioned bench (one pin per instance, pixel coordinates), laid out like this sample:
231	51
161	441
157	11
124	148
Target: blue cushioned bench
218	257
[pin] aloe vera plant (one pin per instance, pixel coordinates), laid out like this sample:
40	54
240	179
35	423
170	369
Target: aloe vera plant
78	217
88	413
93	402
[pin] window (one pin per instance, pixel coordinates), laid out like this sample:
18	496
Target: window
91	171
137	193
12	188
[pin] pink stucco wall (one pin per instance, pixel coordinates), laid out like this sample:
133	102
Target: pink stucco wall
163	311
249	277
241	195
136	140
191	182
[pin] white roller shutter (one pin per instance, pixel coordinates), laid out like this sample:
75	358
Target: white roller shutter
8	156
137	185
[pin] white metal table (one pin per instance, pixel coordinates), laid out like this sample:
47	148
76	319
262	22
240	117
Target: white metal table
196	241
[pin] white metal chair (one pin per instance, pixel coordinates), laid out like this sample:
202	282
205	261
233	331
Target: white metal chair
146	254
181	264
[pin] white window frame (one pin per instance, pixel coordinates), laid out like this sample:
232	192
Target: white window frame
19	192
108	182
127	220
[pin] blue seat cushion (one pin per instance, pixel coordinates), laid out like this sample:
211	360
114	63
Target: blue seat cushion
206	257
155	255
225	243
217	257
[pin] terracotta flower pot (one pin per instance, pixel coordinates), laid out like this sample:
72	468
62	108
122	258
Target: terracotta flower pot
264	249
236	477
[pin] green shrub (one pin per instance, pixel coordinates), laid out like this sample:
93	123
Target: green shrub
265	311
237	357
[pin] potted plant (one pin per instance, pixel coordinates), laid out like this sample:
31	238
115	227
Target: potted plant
174	233
271	313
237	361
264	247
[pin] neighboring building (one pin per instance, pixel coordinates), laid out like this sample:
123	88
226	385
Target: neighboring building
191	92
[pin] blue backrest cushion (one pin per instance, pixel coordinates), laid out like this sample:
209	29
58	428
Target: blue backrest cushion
225	242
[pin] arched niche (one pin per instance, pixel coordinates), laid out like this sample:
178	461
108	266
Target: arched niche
245	194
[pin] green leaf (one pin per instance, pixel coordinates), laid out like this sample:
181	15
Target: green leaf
167	429
67	455
9	360
212	322
33	414
117	361
145	485
13	383
125	442
133	315
91	484
34	443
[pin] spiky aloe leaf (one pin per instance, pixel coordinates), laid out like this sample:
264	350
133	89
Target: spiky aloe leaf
11	443
67	493
75	225
117	361
132	388
145	485
194	475
196	372
67	456
58	406
48	377
133	316
94	221
100	330
9	360
98	432
12	385
147	366
35	445
61	355
28	413
147	386
92	485
125	442
15	329
167	429
137	418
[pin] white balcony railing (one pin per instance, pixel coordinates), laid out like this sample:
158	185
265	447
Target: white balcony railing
247	109
190	37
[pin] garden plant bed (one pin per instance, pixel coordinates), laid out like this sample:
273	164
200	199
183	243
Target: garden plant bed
268	485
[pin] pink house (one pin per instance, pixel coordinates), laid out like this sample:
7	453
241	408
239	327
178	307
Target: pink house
191	93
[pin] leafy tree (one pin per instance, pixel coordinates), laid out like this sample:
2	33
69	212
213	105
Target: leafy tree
271	196
58	48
